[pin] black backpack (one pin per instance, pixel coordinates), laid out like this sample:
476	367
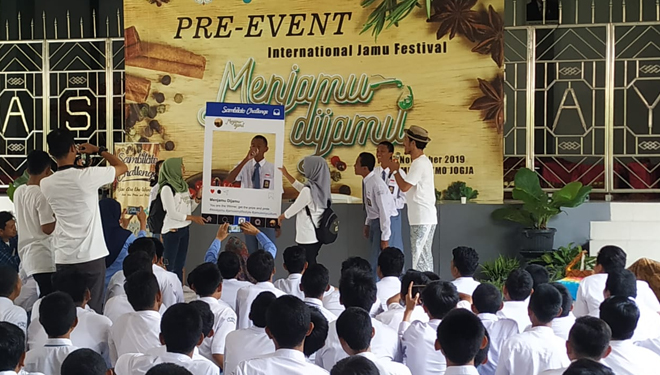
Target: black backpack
326	232
156	215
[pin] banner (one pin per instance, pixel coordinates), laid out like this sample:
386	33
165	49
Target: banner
132	189
343	90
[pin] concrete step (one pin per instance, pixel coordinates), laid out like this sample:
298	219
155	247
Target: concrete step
624	211
635	249
626	230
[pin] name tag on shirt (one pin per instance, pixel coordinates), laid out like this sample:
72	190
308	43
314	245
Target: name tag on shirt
368	202
266	184
391	189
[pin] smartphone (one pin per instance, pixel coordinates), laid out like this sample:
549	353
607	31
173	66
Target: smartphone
132	210
417	289
234	229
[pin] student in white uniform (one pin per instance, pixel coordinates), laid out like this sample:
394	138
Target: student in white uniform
622	314
208	320
355	365
463	266
138	331
229	264
252	342
10	288
537	349
379	207
517	289
486	302
623	283
588	339
482	355
562	324
206	281
12	350
384	153
316	339
390	265
288	322
181	332
254	172
85	361
92	330
363	265
355	332
460	336
394	314
313	284
418	338
57	314
358	289
589	367
261	267
295	263
590	291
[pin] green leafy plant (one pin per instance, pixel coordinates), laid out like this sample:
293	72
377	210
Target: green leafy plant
538	207
459	189
14	185
390	12
438	195
557	261
497	271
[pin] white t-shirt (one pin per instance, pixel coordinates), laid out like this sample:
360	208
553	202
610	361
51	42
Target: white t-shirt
33	211
421	196
73	197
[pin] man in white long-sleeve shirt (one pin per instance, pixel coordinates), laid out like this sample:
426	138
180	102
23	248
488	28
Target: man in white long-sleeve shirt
261	267
537	349
295	263
517	289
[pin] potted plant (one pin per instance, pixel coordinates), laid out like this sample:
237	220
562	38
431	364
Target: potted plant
497	271
557	261
538	208
459	191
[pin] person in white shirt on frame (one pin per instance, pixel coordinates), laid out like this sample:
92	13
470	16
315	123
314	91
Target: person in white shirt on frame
380	207
588	339
357	288
486	302
295	263
316	281
85	361
92	330
247	343
590	291
463	266
562	324
288	322
57	314
12	350
355	332
459	338
384	153
10	288
255	172
261	267
517	289
72	192
206	281
390	265
180	332
137	332
419	186
418	338
537	349
313	198
394	314
622	315
35	222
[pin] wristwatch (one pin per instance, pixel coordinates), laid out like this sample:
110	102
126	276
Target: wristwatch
101	150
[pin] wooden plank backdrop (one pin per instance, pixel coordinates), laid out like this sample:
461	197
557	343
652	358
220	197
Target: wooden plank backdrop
444	84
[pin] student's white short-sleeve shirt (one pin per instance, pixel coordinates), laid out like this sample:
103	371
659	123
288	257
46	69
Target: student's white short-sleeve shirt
229	289
73	197
245	296
33	211
245	344
135	332
290	285
48	359
281	362
532	352
421	196
224	322
13	314
139	364
418	344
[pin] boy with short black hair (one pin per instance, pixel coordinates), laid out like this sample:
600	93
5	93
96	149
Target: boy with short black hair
181	333
394	314
168	369
85	362
460	336
562	324
316	339
418	338
355	333
463	266
288	322
539	274
138	331
362	265
537	349
295	263
12	349
119	305
314	284
261	267
207	283
8	241
486	302
10	288
250	342
390	265
229	264
588	367
57	314
355	365
517	289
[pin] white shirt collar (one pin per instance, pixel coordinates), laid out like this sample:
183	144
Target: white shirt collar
149	313
488	317
620	343
369	176
4	301
313	301
58	342
294	276
368	355
290	353
265	283
175	357
541	329
261	163
461	370
209	300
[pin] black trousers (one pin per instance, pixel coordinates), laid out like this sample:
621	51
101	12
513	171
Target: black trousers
312	251
44	280
95	272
